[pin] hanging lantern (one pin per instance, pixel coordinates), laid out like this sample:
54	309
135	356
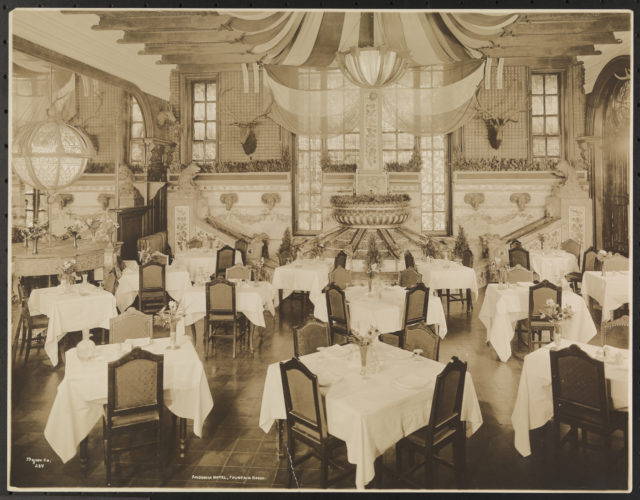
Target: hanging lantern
50	155
372	67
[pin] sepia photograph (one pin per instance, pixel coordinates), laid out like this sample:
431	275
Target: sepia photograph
308	250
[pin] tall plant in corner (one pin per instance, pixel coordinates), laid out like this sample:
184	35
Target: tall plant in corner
462	245
285	252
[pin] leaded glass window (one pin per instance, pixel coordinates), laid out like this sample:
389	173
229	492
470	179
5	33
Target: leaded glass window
136	133
545	116
204	146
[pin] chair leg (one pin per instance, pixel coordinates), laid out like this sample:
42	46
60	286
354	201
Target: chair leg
193	332
235	335
28	346
448	301
429	464
324	483
459	458
556	434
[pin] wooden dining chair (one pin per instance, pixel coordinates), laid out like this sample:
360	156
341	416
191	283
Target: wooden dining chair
131	324
581	399
616	263
409	277
618	329
340	276
534	325
338	313
415	311
519	274
28	324
239	272
152	294
589	263
462	296
307	424
515	244
222	313
340	260
425	337
573	247
310	336
242	247
445	427
133	413
226	257
519	255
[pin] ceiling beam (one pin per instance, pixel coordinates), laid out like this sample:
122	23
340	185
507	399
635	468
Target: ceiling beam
567	27
204	21
195	48
207	68
198	36
557	39
542	51
207	60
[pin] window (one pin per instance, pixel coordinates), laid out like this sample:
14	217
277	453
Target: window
545	115
308	185
204	140
32	202
136	133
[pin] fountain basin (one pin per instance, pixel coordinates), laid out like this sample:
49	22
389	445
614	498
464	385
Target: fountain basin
371	211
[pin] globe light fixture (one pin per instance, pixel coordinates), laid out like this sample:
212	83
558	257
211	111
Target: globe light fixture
372	67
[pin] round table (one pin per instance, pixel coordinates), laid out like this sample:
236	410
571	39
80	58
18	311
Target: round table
552	264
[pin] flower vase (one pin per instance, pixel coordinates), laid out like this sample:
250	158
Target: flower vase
363	359
557	332
35	246
86	347
172	336
75	241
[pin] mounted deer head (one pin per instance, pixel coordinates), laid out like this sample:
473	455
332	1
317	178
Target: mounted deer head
495	123
249	141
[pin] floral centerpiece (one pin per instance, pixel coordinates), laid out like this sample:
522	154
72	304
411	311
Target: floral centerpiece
169	316
258	269
556	314
317	249
373	260
430	249
73	231
363	340
34	233
68	276
106	230
542	238
92	224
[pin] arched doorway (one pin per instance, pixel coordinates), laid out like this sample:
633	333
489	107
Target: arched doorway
608	118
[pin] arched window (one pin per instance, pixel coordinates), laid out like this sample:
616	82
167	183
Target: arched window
137	133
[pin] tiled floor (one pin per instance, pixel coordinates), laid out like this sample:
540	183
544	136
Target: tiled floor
235	453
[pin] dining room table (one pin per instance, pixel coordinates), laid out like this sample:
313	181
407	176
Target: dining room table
200	262
308	275
79	307
371	413
176	283
83	391
534	401
611	289
552	264
383	308
504	305
252	299
442	274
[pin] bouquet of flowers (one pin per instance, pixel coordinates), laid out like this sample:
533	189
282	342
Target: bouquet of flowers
430	249
68	272
554	312
169	316
258	269
73	231
106	229
317	249
374	258
542	238
363	339
603	255
92	224
35	231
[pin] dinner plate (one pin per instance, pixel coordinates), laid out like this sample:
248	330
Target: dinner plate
411	382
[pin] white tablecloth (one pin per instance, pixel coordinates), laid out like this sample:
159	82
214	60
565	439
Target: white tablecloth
199	261
177	282
370	415
534	403
441	274
553	264
312	276
610	291
84	307
502	308
251	300
83	392
384	312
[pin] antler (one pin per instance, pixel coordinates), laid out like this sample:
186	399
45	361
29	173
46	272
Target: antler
484	113
237	122
511	113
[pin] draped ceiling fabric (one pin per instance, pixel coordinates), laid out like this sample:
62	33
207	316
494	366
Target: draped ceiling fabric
311	39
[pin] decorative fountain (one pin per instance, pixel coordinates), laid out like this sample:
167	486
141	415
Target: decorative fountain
371	210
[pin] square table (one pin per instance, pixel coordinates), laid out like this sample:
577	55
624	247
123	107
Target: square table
383	309
610	291
552	264
79	401
534	402
309	275
372	414
176	282
439	274
83	307
502	308
200	262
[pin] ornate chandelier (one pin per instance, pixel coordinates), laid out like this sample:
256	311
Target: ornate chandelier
50	155
372	67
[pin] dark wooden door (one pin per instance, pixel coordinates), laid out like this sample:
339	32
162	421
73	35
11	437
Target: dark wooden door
615	155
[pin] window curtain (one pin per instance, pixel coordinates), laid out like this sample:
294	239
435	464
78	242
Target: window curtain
305	102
